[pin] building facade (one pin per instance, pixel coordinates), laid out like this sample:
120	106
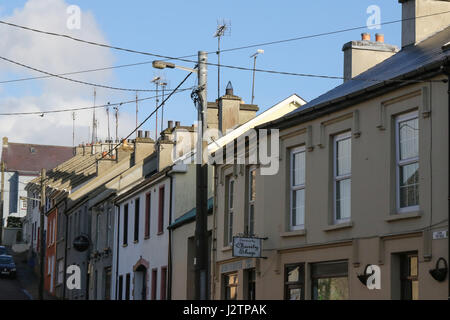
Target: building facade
361	182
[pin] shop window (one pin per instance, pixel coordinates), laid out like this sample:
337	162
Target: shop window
230	286
330	280
295	282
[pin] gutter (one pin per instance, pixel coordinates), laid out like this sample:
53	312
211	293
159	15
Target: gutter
353	98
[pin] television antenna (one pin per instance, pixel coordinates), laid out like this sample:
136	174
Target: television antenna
223	28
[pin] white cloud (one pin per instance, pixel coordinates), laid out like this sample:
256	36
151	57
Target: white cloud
56	55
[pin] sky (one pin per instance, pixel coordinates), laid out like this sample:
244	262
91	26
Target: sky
175	29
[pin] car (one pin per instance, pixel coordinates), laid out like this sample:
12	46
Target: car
2	250
7	266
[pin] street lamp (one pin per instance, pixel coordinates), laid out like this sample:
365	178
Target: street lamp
259	51
201	231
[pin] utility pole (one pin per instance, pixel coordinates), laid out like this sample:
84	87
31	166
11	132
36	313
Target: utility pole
94	123
73	129
201	231
42	237
137	110
116	109
163	86
2	190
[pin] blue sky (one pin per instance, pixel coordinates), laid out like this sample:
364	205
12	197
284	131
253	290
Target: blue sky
184	27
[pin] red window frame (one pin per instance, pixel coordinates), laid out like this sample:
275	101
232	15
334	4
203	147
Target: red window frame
154	282
161	210
148	201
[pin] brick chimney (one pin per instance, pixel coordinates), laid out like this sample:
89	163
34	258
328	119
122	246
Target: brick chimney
416	30
229	111
364	54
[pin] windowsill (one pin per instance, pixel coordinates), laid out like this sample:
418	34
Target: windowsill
339	226
293	233
135	241
125	245
160	233
227	248
404	215
146	237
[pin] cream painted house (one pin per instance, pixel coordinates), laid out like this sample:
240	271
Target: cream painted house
182	228
363	180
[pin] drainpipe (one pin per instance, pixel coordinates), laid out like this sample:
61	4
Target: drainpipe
169	263
446	69
117	251
65	249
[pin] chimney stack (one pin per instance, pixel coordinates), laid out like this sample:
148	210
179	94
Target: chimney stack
360	56
415	30
177	123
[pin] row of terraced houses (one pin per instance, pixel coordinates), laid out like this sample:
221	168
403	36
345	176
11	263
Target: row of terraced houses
361	179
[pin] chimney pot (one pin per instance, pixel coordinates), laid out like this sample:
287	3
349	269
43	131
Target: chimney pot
177	123
147	134
379	37
365	36
229	89
139	133
170	124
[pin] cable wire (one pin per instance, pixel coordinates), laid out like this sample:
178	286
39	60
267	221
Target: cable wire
74	80
85	108
213	52
142	123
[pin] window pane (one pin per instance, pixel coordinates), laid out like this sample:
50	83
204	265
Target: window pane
252	185
231	194
415	290
331	289
409	185
299	168
413	266
343	199
295	294
343	155
409	139
293	274
298	207
251	219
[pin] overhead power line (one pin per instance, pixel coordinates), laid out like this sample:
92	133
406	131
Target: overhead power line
78	72
213	52
73	80
143	122
119	104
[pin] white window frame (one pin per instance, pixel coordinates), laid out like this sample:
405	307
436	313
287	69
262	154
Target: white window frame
230	211
293	188
336	178
251	202
399	163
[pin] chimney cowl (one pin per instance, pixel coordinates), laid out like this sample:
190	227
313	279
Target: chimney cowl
229	89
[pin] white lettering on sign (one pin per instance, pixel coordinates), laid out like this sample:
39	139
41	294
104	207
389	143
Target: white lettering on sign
246	247
440	235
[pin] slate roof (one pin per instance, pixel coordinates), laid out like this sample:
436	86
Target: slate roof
411	61
31	158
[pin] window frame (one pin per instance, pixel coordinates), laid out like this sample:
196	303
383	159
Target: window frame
148	203
293	188
400	163
251	202
161	202
137	218
299	284
230	211
338	178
